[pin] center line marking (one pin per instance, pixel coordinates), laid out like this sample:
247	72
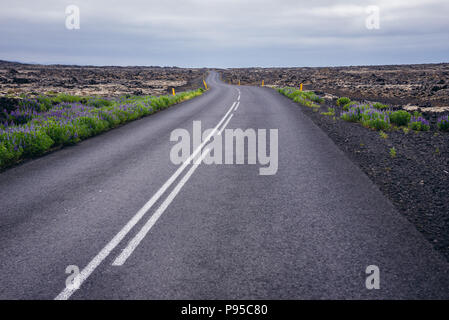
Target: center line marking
132	245
226	123
106	251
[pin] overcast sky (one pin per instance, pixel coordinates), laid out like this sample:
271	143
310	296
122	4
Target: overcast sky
225	33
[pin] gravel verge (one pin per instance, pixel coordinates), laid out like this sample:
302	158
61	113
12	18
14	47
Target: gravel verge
416	180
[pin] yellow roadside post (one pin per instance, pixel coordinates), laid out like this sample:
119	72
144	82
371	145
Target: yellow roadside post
173	91
263	83
239	82
205	84
300	87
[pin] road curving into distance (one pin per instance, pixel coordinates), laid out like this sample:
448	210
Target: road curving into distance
140	227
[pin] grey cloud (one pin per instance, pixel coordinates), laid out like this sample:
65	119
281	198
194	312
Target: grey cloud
225	33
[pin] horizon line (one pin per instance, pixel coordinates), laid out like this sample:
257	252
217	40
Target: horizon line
209	67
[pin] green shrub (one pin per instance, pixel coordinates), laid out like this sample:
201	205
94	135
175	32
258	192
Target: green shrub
330	112
108	116
443	123
66	98
377	123
93	124
368	116
379	106
349	105
393	152
45	103
419	124
7	156
374	118
4	155
352	115
400	118
34	143
62	134
99	102
66	123
38	104
383	135
343	101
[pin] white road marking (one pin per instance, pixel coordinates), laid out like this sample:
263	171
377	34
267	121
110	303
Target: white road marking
237	106
132	245
226	123
98	259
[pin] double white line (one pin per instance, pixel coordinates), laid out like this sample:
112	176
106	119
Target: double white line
132	245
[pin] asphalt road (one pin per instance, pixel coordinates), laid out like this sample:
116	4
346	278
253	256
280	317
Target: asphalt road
223	231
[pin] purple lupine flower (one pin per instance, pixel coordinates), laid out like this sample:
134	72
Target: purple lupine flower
443	123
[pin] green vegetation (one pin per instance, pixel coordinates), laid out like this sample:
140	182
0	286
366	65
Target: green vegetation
349	105
305	98
330	112
376	116
443	123
379	106
352	115
343	101
368	116
46	102
400	118
383	135
393	152
377	123
381	119
48	122
419	124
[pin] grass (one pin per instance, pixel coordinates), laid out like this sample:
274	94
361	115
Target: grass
305	98
383	135
393	152
38	125
330	112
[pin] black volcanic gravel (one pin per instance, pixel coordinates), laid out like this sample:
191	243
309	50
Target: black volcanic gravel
416	180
